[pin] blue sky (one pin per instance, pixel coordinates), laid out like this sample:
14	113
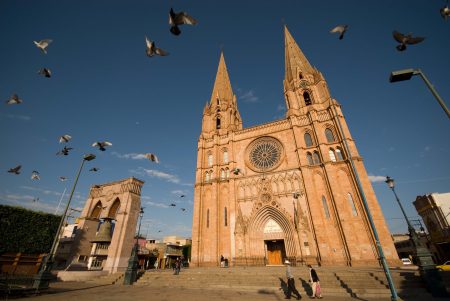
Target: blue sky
104	87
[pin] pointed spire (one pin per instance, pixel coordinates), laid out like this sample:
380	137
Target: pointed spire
294	58
222	86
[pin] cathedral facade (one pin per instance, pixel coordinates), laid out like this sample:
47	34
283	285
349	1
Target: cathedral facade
283	189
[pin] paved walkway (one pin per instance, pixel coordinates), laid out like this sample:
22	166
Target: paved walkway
80	291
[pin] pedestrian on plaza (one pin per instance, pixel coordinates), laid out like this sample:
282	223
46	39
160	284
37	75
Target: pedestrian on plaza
315	284
290	282
222	261
177	266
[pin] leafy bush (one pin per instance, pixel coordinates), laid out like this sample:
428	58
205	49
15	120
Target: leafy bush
26	231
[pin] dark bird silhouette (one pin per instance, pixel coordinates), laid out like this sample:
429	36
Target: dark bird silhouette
94	169
14	99
35	175
176	19
341	29
15	170
172	205
405	39
64	151
62	178
183	209
43	44
151	49
159	231
35	200
101	145
64	138
152	157
45	72
445	12
182	196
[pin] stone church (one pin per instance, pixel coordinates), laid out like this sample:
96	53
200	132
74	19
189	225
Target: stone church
283	189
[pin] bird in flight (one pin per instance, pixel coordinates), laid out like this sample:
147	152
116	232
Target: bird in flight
35	200
445	12
176	19
45	72
341	29
101	145
94	169
152	157
64	151
159	231
183	209
64	138
14	99
405	39
62	178
182	196
35	175
43	44
151	49
172	205
15	170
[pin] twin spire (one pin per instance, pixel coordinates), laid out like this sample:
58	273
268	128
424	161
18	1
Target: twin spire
295	62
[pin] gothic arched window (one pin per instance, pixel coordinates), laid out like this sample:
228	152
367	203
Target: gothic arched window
329	135
218	123
325	207
225	213
207	176
225	156
352	204
308	140
97	210
309	158
316	158
332	156
210	159
339	155
114	209
227	172
222	174
307	98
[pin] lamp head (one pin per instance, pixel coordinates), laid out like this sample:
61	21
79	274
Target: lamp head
390	182
89	157
141	212
401	75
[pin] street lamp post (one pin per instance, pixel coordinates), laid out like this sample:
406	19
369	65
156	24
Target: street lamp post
44	276
423	257
133	264
406	74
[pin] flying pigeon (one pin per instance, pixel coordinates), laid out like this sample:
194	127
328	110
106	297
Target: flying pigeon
341	29
62	179
182	196
152	157
445	12
35	200
183	209
35	175
101	145
180	18
94	169
45	72
15	170
159	231
172	205
405	39
14	100
64	151
64	138
152	49
43	44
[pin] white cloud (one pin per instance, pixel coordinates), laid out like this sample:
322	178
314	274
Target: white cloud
281	108
377	179
178	192
154	204
427	148
249	96
26	201
157	174
20	117
133	156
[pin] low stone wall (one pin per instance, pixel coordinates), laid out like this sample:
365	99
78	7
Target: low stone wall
80	275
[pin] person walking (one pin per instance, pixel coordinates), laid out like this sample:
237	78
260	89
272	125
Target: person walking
177	266
290	282
315	284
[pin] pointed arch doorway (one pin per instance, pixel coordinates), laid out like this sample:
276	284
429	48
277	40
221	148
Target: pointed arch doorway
275	250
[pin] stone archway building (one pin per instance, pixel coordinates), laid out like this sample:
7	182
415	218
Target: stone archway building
244	207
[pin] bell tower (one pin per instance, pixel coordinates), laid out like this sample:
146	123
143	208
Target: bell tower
304	86
221	114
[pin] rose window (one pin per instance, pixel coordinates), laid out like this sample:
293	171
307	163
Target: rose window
264	154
